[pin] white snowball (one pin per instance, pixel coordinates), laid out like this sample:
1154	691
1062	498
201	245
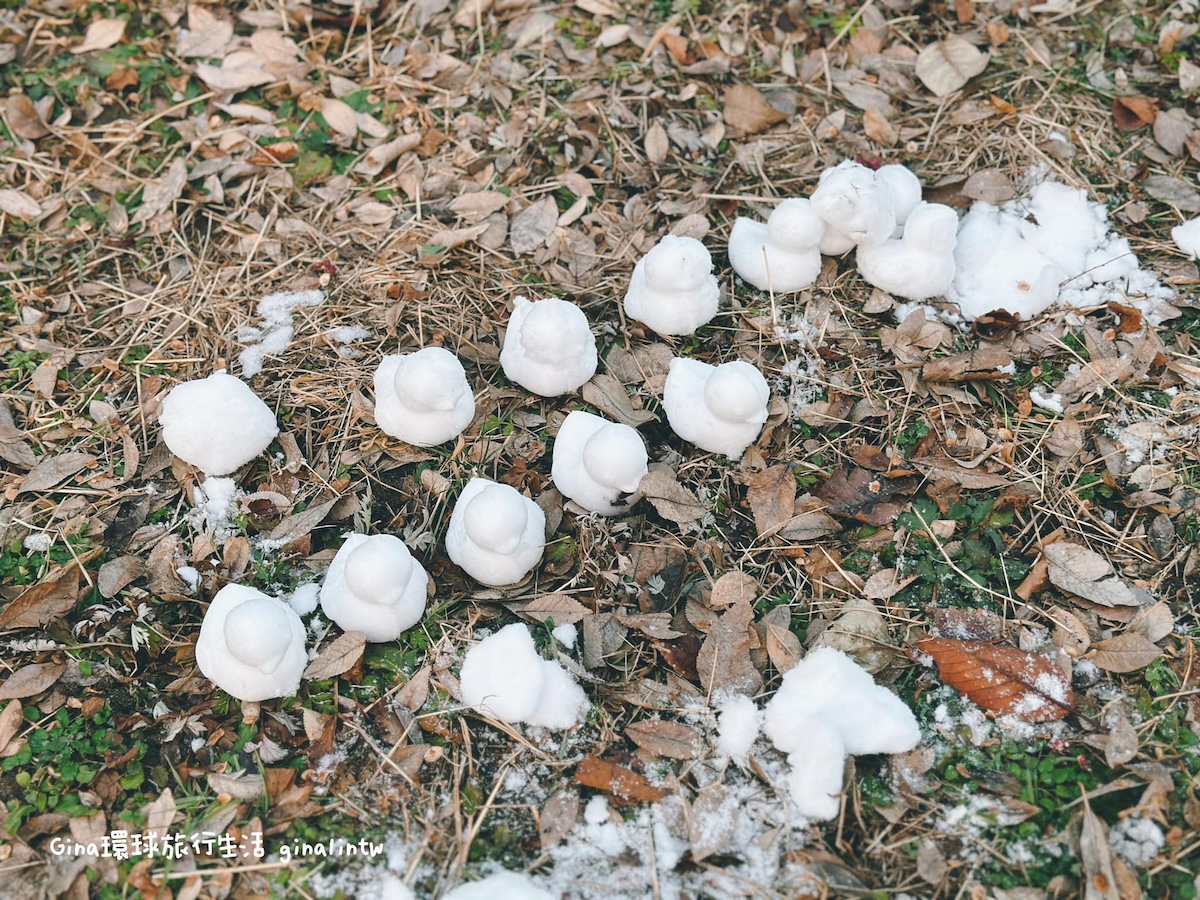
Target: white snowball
501	886
672	289
496	534
423	398
549	347
375	586
737	727
251	645
217	424
720	409
598	464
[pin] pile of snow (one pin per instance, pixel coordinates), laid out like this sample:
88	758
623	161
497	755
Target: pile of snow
216	423
1136	840
672	289
503	675
496	533
374	586
1187	236
215	503
500	886
272	337
827	708
423	398
251	645
548	347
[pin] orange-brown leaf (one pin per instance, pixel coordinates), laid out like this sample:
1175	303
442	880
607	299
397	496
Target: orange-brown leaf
1002	679
620	782
1132	113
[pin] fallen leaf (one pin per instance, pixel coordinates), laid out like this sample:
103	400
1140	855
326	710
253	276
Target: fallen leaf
622	783
239	71
733	588
1002	679
783	647
241	786
338	657
532	226
117	574
558	817
885	584
14	448
1096	856
297	526
877	127
672	740
656	143
1121	742
1132	113
723	662
861	633
608	395
340	116
19	205
940	468
671	499
23	118
985	363
561	608
810	523
747	110
101	34
1154	622
1078	570
967	624
1126	652
10	722
28	681
947	65
931	862
771	494
54	470
381	156
44	602
474	207
712	821
1175	191
863	495
1172	128
159	194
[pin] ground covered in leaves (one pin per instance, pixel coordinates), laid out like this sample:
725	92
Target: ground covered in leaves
1020	497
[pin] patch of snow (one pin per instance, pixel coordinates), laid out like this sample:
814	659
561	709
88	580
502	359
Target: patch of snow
1187	236
214	504
304	598
1049	402
37	542
738	728
566	635
274	334
1136	840
190	576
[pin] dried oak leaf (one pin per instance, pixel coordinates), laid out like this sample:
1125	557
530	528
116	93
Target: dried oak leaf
671	499
340	656
1126	652
1002	679
44	602
947	65
622	783
673	740
1074	569
747	110
1132	113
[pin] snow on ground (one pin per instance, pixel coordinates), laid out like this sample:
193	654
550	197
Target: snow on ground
274	334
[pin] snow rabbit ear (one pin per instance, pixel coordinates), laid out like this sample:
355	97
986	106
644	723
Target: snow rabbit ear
496	519
257	633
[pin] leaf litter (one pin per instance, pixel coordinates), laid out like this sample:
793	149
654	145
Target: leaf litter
437	182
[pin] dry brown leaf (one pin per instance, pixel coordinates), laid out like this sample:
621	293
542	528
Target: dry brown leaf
1121	742
733	588
1172	128
1075	569
101	34
10	722
239	71
160	194
561	608
558	817
931	862
941	468
810	523
862	495
622	783
672	740
885	584
877	127
477	206
1154	622
712	821
986	363
1002	679
54	470
1126	652
19	205
532	226
1132	113
31	680
747	110
340	116
1099	882
723	662
338	657
861	633
44	602
381	156
14	448
1175	191
119	573
771	494
608	395
671	499
967	624
297	526
656	143
23	118
947	65
783	647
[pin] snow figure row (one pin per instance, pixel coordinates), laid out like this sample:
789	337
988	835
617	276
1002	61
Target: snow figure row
905	246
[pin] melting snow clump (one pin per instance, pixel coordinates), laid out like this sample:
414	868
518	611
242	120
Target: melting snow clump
672	288
501	886
304	599
275	333
1054	246
496	534
505	676
1136	840
737	728
1187	236
37	542
217	424
549	347
827	708
375	586
598	464
423	398
720	409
